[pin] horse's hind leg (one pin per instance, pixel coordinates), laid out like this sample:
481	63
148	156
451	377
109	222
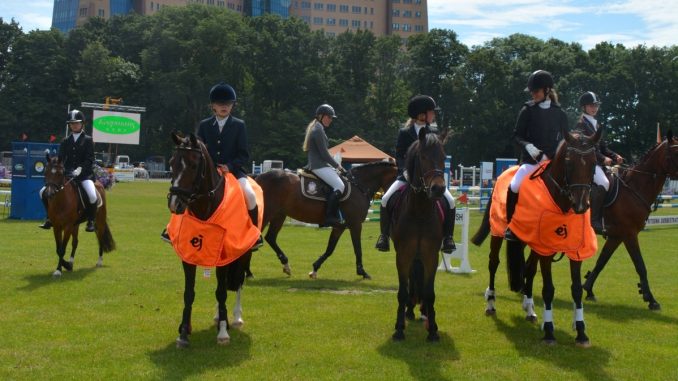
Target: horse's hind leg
356	232
237	310
578	324
528	300
547	292
271	238
644	286
428	299
610	246
331	245
403	296
189	296
492	266
220	293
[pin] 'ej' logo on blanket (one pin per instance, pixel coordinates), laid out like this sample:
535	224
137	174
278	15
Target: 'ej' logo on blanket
197	242
562	231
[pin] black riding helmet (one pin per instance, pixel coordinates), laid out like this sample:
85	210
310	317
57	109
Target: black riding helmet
222	93
325	109
540	79
589	98
420	104
75	116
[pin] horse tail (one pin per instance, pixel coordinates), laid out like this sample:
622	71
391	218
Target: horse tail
484	228
106	242
236	272
515	265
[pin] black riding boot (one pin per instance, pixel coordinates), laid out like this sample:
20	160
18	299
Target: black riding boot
511	201
448	231
597	199
385	227
47	224
254	216
332	209
91	213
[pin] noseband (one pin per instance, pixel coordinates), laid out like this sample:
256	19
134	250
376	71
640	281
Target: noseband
193	194
431	174
566	191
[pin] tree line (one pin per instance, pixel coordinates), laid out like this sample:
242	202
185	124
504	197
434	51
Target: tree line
282	71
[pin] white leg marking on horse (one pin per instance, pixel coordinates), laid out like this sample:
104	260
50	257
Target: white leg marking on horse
56	274
578	316
548	318
223	338
237	311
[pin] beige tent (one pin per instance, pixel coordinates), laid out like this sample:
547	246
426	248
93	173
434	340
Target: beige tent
357	150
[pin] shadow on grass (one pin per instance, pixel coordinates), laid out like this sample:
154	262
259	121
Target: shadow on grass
204	354
320	285
424	359
526	338
36	281
625	313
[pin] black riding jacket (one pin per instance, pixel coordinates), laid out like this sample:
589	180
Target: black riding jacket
540	127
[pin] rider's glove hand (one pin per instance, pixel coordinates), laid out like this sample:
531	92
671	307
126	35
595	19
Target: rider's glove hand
77	171
533	151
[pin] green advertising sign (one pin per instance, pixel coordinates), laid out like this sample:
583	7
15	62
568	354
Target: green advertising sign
118	125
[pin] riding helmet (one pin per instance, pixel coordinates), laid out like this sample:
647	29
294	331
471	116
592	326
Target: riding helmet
420	104
589	98
325	109
540	79
222	93
75	116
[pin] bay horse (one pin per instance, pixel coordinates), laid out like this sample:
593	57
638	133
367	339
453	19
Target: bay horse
66	214
283	197
417	230
568	180
625	217
198	189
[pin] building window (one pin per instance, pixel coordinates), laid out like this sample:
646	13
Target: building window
101	13
307	19
355	9
343	8
406	28
417	14
355	23
330	34
318	20
396	13
83	12
331	7
417	1
343	22
231	6
395	1
371	11
305	5
331	21
210	2
318	6
407	1
407	14
395	26
418	28
220	3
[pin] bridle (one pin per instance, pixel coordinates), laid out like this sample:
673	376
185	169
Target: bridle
430	174
193	194
566	190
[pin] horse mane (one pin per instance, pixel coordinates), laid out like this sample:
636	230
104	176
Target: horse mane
373	164
430	140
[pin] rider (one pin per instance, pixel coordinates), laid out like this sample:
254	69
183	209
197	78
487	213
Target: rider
77	152
590	103
421	110
321	163
538	132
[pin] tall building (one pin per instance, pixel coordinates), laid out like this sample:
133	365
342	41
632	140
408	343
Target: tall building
381	17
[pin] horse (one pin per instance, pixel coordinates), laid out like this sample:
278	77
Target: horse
417	230
625	217
66	213
283	197
196	194
567	179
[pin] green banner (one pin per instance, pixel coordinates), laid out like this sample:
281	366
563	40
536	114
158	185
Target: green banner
117	125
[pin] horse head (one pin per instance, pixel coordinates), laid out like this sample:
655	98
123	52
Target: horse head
573	168
425	162
188	166
55	175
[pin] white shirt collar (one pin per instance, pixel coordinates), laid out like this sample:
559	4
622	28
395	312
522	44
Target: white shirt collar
76	136
545	104
418	127
221	122
592	120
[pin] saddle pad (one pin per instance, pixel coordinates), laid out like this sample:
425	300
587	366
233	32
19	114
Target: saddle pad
540	223
316	189
225	236
498	222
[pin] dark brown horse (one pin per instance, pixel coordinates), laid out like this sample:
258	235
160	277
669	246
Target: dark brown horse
196	186
417	230
625	217
283	197
66	214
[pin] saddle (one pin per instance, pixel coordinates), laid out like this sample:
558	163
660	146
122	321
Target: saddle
82	196
613	192
315	188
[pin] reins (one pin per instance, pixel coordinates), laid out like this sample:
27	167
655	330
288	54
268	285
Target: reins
192	195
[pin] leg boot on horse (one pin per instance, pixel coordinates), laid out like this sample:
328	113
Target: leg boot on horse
597	199
385	226
47	224
332	209
511	201
254	216
448	231
91	212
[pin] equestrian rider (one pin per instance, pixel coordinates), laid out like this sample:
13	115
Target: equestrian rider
321	163
590	103
538	132
421	110
76	153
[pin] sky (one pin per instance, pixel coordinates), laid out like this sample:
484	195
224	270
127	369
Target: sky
628	22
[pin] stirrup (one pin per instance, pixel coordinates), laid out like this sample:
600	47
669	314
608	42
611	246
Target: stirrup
382	243
165	236
46	225
448	245
90	226
259	243
509	236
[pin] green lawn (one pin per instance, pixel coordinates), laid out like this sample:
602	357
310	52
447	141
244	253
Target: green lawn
119	322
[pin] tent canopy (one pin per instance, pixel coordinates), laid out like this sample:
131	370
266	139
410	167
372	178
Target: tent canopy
357	150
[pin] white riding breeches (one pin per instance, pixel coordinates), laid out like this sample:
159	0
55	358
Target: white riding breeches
250	197
88	186
330	176
600	178
399	183
524	170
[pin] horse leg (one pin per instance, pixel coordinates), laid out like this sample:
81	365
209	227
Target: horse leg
58	234
547	292
403	297
222	327
429	298
633	248
492	266
189	295
271	236
530	273
578	322
237	310
608	249
74	245
356	231
331	245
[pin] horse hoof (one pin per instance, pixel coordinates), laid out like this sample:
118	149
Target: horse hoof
549	342
237	323
182	343
433	338
591	298
654	306
531	318
67	265
223	340
287	270
490	312
364	274
313	275
582	344
398	336
100	263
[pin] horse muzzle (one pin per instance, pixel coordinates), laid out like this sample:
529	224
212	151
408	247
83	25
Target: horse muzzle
436	191
175	204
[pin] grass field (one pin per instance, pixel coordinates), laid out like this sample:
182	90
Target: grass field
119	322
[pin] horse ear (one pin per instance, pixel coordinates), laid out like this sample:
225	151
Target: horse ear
422	136
596	137
176	137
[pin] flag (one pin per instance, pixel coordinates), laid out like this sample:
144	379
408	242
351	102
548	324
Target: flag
463	199
52	138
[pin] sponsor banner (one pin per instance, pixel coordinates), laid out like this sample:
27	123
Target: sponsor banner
116	127
662	220
123	175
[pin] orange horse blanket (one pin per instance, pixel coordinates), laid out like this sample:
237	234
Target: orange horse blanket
540	223
225	236
498	222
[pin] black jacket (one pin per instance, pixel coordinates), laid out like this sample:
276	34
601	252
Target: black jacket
80	153
601	148
406	136
541	127
228	147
